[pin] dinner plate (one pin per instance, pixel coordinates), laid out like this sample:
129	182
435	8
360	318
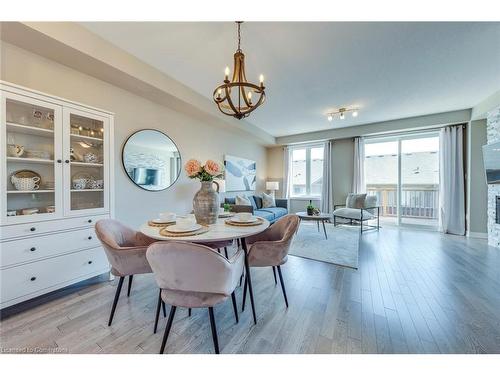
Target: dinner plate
235	219
162	221
175	228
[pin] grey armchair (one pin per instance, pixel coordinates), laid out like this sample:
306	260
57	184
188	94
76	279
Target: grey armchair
359	208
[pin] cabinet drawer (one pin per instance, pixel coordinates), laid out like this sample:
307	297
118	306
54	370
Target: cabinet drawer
36	247
35	277
22	230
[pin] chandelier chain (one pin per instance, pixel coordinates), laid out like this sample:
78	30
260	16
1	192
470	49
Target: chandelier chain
239	36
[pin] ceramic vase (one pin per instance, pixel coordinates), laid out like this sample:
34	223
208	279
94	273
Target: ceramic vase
206	204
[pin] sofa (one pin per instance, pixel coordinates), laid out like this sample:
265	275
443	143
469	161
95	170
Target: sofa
269	213
359	208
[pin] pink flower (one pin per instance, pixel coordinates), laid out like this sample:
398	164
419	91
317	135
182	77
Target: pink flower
212	168
192	167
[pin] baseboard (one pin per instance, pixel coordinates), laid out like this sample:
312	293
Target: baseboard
481	235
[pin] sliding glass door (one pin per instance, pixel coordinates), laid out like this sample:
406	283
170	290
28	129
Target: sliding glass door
403	172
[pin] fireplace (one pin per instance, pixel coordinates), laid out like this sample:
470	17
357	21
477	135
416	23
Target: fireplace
497	212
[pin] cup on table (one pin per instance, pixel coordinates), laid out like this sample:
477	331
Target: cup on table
167	216
244	216
221	210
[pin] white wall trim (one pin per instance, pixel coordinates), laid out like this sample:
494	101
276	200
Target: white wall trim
477	235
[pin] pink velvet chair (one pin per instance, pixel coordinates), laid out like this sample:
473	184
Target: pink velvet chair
192	275
270	248
126	252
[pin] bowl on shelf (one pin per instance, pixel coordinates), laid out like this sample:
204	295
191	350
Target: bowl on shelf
90	157
79	183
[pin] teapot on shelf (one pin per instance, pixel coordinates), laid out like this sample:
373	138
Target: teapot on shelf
15	150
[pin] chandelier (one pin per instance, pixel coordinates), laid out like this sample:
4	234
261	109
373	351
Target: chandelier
235	97
341	113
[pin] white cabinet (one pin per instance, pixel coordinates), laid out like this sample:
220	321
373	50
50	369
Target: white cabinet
56	180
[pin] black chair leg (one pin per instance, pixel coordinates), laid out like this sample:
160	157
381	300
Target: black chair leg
214	329
225	252
274	274
282	286
167	328
235	308
117	296
129	284
244	294
160	303
164	309
249	279
189	311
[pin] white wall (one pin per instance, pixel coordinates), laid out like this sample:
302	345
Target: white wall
194	138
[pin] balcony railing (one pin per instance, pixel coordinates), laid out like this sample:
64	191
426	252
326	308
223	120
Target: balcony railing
417	201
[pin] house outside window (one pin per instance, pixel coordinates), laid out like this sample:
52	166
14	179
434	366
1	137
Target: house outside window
306	171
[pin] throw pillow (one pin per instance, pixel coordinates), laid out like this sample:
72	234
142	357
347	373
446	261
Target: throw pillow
241	200
268	201
355	200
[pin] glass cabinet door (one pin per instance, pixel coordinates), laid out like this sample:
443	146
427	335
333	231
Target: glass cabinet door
86	163
31	159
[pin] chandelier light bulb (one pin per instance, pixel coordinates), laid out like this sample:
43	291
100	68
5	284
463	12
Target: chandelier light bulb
226	73
355	114
261	79
249	96
219	93
342	116
330	118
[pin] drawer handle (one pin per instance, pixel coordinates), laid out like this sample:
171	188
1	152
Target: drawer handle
89	262
33	278
33	249
32	229
89	237
89	220
66	161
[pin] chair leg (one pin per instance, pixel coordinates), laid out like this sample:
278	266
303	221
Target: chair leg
274	274
225	252
117	296
244	294
129	284
160	303
167	328
218	250
214	329
317	221
189	311
282	286
249	279
164	309
324	229
235	308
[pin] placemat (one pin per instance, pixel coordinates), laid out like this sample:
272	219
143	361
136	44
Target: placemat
159	225
258	222
166	233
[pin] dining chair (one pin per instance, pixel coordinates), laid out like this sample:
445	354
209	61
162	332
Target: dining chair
125	249
270	249
194	276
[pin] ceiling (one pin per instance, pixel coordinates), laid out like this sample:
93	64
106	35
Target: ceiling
388	70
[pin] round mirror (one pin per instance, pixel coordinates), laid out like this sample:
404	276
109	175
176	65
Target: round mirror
151	160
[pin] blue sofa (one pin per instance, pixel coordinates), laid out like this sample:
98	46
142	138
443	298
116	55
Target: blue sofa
269	213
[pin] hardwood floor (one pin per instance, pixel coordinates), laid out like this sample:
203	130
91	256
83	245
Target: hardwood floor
414	292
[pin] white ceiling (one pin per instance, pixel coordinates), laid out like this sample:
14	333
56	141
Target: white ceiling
389	70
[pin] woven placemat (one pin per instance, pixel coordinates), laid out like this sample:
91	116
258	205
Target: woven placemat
159	225
252	224
164	232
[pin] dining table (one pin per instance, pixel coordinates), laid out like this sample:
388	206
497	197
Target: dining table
218	232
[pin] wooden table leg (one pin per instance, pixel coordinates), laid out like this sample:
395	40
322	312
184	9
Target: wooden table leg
249	279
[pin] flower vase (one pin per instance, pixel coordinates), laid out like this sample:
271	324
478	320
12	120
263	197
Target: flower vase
206	204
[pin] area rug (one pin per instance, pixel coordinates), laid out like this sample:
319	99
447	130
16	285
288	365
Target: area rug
341	248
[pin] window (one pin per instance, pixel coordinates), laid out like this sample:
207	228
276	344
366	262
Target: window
307	171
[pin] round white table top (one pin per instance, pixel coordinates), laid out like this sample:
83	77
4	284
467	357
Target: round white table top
219	231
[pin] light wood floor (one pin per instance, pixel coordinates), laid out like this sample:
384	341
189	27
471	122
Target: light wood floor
414	292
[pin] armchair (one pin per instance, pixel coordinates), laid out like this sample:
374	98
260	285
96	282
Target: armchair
358	208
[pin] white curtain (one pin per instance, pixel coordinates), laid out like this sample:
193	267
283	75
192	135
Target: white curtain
358	178
451	181
327	187
286	172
